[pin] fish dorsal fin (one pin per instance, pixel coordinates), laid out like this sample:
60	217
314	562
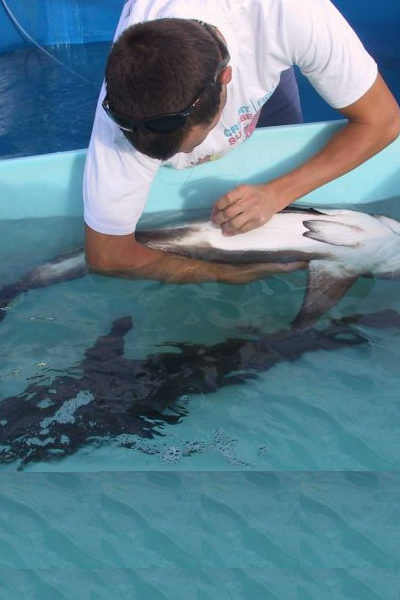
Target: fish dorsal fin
326	285
334	233
303	210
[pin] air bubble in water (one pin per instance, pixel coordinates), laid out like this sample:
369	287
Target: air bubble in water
225	447
34	441
172	455
190	448
45	403
65	413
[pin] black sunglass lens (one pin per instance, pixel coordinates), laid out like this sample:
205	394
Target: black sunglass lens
165	124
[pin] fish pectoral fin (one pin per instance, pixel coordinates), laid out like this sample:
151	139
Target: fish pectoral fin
326	286
392	224
333	232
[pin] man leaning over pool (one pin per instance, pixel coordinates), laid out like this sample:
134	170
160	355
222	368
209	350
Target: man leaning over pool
188	82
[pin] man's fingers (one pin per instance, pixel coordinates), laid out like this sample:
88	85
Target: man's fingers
244	221
223	216
226	207
247	226
240	210
235	223
218	218
234	210
229	214
245	208
228	199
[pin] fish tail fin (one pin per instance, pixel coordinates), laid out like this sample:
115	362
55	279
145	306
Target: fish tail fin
66	267
7	295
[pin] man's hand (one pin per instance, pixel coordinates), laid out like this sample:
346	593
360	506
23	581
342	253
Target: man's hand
244	208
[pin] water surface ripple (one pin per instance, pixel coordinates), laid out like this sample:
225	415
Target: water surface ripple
217	535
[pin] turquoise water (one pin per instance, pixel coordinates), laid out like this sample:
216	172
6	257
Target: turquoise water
317	409
213	506
214	536
283	486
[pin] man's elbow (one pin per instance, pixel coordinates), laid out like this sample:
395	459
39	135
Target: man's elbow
390	129
103	252
97	266
116	255
101	265
96	261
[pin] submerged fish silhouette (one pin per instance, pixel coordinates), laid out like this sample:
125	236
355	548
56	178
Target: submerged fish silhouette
108	395
336	246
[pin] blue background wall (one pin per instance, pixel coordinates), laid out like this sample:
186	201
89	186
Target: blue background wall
78	34
52	22
76	21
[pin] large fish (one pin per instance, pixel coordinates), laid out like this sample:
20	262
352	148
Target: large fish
109	398
336	246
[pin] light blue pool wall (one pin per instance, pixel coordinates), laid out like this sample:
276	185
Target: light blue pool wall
51	185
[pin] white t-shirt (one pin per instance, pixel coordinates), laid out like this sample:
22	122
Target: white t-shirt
264	38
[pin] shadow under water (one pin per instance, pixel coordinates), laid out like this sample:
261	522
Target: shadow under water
109	398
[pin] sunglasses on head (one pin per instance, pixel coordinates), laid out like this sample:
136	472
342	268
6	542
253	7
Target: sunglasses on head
171	121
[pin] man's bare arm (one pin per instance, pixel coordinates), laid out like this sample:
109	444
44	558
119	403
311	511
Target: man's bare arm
373	123
122	256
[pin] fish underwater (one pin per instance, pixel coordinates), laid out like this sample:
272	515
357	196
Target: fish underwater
335	246
108	398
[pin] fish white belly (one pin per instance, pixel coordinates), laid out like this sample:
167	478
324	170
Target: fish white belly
284	232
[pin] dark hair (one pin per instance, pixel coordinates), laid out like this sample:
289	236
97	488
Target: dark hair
160	67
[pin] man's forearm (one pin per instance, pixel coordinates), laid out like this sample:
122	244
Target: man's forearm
373	123
346	150
178	269
127	259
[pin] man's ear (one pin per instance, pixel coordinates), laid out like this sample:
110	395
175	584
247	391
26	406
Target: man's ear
226	75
